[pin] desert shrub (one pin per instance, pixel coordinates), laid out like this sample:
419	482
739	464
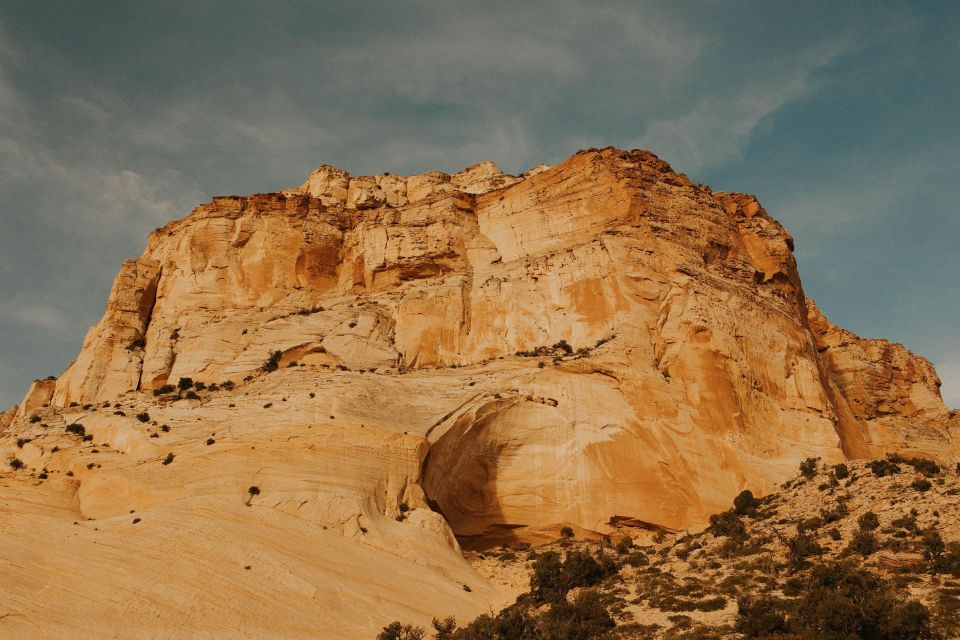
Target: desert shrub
932	543
921	484
143	416
582	569
881	468
444	628
948	561
584	618
925	466
834	533
22	441
165	428
727	524
397	631
868	521
16	464
841	601
566	533
516	622
192	395
625	545
273	362
76	428
801	547
636	559
907	522
841	471
184	383
712	604
167	388
808	468
168	459
745	503
210	441
810	524
863	542
564	346
254	490
34	419
833	515
761	617
552	579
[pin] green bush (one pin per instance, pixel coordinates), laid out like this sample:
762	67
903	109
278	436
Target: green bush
841	471
184	384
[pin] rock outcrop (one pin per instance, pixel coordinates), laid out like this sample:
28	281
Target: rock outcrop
600	339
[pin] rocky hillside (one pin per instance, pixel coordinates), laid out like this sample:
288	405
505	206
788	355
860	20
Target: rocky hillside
298	407
840	552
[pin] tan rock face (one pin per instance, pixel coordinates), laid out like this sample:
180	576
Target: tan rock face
597	339
38	395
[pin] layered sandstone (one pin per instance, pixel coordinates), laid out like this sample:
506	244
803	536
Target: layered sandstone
497	355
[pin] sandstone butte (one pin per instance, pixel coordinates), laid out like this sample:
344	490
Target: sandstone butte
464	360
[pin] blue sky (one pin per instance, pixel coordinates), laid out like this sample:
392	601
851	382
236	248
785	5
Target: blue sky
116	117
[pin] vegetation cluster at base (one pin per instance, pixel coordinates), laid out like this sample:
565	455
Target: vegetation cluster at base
819	560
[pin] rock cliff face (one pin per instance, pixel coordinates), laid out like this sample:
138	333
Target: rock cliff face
597	339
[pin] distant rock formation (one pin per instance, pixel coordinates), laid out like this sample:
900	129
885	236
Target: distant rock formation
600	339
